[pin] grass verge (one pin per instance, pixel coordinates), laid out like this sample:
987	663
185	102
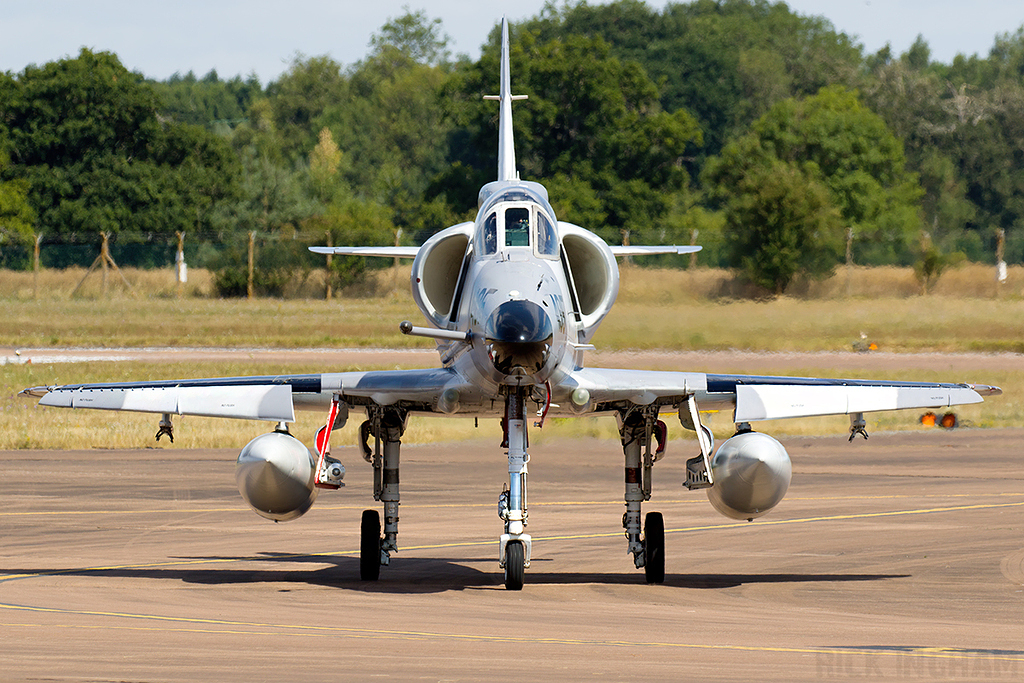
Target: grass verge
657	309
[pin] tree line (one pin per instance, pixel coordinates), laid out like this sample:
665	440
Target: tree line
767	136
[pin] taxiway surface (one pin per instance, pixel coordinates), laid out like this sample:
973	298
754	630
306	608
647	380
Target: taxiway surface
899	558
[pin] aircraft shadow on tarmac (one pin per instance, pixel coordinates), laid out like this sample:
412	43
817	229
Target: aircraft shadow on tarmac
412	575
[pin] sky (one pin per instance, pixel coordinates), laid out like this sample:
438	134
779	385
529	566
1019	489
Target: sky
241	37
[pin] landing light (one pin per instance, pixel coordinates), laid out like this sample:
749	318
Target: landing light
448	402
580	396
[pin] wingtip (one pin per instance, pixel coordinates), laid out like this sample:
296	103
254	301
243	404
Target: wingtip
34	392
986	390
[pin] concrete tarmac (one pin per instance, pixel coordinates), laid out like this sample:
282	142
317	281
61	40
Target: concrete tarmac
898	558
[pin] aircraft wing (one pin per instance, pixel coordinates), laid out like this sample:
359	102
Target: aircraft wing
386	252
647	251
271	397
755	398
275	397
772	398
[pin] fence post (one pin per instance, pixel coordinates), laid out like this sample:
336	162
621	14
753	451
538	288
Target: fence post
35	266
1000	262
849	260
104	258
180	272
252	249
327	275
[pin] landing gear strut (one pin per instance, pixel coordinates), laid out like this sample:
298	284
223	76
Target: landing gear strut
637	429
386	425
515	545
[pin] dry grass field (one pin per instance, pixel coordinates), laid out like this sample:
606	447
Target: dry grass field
973	280
666	310
657	309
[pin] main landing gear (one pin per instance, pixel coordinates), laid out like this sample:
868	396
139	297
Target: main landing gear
386	425
637	429
515	545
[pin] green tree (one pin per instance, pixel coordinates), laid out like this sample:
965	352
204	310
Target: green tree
932	262
324	167
17	219
85	135
276	195
983	137
835	140
215	104
354	221
276	192
391	128
415	36
724	61
299	98
592	125
918	105
780	224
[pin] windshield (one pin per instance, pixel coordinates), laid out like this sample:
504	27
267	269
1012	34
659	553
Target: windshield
517	227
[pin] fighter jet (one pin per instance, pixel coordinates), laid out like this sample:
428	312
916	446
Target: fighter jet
513	300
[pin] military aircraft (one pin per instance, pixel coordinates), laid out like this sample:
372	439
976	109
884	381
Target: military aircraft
513	300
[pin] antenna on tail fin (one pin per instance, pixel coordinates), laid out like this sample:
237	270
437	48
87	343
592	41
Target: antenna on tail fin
506	143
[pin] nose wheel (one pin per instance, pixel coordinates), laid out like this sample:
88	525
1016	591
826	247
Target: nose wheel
515	566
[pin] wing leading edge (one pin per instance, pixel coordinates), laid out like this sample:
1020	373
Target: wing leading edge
270	398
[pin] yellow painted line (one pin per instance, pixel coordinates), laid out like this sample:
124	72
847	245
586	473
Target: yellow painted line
860	515
151	511
902	496
536	539
233	627
744	524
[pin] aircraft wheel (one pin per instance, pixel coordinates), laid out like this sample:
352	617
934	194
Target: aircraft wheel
369	546
515	561
654	547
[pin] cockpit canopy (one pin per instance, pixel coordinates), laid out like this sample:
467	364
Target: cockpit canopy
517	225
517	217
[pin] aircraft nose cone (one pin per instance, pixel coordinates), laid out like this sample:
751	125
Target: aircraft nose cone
518	336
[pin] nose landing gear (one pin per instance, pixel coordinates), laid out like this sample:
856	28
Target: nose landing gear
515	546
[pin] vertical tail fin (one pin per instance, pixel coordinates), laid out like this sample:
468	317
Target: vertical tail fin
506	142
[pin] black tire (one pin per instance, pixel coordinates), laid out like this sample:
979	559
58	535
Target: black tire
654	547
369	546
515	565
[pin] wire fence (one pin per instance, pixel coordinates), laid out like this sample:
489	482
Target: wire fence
146	250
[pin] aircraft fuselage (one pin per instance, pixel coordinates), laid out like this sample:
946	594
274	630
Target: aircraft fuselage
514	298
